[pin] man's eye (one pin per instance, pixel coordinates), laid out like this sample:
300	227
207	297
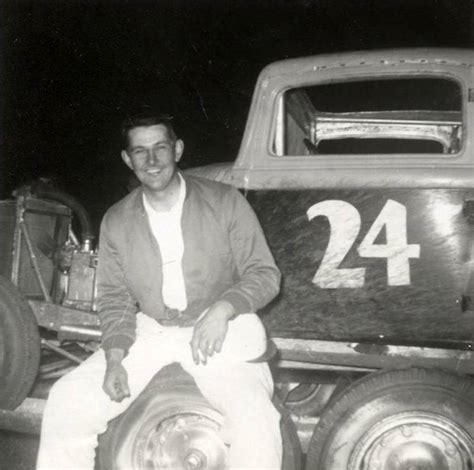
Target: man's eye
139	153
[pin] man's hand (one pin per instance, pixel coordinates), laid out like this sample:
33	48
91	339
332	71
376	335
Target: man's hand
210	331
116	378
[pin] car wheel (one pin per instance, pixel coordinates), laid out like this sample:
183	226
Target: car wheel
170	428
171	425
410	418
19	346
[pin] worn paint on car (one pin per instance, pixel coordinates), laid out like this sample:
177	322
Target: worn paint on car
372	247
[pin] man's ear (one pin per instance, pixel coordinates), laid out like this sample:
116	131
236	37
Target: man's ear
178	150
126	159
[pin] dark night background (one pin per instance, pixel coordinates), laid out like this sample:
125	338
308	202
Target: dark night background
71	69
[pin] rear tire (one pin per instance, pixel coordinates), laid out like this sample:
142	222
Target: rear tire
409	418
19	346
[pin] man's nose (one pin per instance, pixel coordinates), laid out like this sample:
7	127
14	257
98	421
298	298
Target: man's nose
151	157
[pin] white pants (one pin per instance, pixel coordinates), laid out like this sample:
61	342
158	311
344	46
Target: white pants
78	409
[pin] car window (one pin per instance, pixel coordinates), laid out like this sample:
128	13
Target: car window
409	115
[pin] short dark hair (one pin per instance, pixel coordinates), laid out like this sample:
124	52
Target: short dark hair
145	118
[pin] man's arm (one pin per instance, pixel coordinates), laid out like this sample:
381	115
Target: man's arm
117	312
258	284
259	277
116	377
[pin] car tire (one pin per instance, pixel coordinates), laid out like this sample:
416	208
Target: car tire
19	346
172	400
395	419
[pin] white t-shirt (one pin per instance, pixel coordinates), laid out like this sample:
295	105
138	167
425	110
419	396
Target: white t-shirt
166	227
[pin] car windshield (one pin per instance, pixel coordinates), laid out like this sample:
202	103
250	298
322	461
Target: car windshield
391	116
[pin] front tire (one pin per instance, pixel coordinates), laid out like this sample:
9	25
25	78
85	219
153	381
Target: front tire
19	346
171	425
411	418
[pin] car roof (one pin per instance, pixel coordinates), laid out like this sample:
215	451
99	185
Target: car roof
388	57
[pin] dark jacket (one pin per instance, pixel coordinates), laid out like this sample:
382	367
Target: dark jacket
225	257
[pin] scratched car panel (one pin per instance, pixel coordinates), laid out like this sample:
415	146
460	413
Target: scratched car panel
361	173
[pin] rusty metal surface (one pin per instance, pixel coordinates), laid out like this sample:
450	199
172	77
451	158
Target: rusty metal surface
16	243
324	370
39	228
350	355
79	333
7	233
373	125
53	316
34	260
81	281
34	204
50	345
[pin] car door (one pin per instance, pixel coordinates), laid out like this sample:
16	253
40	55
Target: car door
363	194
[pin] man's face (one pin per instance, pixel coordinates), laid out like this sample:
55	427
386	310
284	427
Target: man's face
152	155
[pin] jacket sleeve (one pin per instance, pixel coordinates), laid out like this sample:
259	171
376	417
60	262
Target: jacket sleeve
258	276
116	306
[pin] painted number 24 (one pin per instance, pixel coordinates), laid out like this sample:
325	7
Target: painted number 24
344	220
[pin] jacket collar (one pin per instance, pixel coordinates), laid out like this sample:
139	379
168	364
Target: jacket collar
138	205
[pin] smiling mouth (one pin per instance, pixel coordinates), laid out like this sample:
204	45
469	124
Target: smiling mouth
153	172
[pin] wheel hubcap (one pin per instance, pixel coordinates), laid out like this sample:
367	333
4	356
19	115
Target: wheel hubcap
185	442
195	459
414	441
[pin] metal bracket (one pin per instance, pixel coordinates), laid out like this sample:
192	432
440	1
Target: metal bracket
361	357
53	317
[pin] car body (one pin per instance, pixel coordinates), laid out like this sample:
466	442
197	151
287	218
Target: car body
360	167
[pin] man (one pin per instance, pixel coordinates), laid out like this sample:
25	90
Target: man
183	263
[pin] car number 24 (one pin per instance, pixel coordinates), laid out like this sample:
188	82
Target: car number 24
345	222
